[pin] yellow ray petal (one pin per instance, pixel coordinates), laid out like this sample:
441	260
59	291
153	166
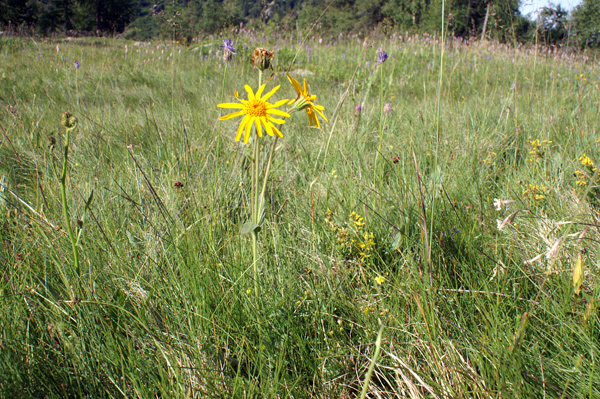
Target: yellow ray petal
277	132
231	105
295	83
250	92
312	118
322	116
259	92
241	128
248	128
275	120
277	104
269	94
233	115
237	95
267	125
278	112
258	127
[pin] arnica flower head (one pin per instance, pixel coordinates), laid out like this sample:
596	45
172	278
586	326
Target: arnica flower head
261	58
382	57
305	101
257	111
228	50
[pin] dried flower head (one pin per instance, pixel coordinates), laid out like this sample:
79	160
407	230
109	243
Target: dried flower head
261	58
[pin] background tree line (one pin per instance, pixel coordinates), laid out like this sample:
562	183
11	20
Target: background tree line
143	19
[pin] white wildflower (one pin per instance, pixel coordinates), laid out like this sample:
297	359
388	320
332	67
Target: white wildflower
498	203
500	224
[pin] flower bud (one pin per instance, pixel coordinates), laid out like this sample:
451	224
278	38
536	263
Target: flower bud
68	120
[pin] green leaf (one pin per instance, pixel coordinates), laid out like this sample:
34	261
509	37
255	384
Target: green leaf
249	227
261	211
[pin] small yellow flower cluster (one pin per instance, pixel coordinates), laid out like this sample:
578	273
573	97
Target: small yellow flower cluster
587	161
352	238
371	309
366	246
537	150
367	309
534	191
491	158
356	221
584	176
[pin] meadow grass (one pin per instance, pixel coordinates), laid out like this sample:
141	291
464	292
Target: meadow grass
379	218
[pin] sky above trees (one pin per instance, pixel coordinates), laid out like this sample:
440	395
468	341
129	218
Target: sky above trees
532	6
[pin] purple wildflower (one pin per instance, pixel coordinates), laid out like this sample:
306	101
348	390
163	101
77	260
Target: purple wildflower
359	109
387	108
382	57
228	45
77	64
228	50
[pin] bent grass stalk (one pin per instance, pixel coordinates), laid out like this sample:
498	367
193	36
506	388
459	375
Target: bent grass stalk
70	123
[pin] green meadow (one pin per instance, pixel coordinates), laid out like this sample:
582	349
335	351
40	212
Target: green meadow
436	238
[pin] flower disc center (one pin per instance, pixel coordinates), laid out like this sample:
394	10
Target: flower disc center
256	108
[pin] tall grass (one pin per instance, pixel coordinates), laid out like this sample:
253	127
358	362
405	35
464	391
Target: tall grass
161	307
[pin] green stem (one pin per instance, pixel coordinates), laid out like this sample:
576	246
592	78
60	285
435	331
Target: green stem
255	261
264	186
255	204
255	215
380	131
372	365
65	205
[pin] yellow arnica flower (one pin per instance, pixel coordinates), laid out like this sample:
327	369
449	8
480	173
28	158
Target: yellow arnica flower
306	101
257	111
